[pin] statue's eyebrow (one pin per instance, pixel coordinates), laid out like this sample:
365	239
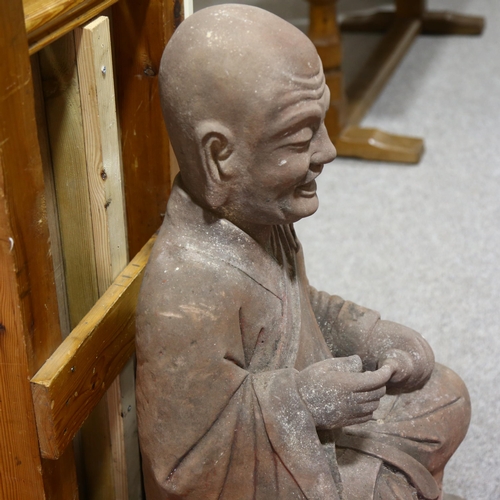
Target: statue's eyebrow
310	121
297	121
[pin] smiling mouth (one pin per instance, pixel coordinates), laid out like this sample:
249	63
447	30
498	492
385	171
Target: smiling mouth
307	190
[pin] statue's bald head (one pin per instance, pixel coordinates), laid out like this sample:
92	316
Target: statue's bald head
227	64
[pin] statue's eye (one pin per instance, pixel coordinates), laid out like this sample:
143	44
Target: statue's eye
301	146
301	139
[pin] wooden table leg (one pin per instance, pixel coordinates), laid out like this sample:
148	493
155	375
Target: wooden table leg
324	33
348	108
433	22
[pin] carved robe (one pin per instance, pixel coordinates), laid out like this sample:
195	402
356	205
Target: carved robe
223	327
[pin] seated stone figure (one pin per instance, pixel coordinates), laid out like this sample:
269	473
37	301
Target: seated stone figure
251	384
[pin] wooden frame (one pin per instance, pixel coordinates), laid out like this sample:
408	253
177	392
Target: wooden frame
30	318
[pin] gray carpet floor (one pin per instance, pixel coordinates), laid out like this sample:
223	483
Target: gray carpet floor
421	244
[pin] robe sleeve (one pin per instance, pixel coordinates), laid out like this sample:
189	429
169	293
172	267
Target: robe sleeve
209	428
352	329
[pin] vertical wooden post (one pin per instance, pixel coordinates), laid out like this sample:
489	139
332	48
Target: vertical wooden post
67	145
29	322
410	8
51	198
141	31
324	33
104	172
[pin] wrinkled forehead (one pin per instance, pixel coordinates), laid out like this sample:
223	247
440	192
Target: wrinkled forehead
299	86
294	96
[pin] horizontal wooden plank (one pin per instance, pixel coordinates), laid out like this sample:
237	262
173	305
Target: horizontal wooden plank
47	20
76	376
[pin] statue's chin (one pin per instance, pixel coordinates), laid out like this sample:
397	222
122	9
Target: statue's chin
305	203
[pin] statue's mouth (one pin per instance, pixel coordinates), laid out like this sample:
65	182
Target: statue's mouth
307	190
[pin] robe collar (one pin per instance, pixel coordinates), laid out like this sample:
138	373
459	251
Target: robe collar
190	226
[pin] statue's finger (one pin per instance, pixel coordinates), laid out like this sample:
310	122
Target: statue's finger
370	381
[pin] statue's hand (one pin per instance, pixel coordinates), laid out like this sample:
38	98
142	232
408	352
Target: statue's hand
338	394
401	364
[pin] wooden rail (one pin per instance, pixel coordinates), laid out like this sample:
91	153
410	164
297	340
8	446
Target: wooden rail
76	376
48	20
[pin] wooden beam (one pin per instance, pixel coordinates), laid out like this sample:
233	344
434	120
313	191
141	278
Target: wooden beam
76	376
29	320
374	144
102	146
104	171
433	23
67	143
370	81
48	20
141	30
451	23
51	199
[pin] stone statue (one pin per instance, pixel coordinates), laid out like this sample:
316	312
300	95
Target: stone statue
251	384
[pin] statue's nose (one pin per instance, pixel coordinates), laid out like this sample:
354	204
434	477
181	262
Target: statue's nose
325	152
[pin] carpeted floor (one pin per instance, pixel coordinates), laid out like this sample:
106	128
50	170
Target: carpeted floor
421	244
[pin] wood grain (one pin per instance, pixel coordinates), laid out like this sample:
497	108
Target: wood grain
76	376
65	128
67	144
48	20
102	146
51	199
29	318
19	451
104	172
140	31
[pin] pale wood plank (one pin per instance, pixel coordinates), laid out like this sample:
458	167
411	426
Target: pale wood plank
108	211
95	69
29	318
65	129
67	143
76	376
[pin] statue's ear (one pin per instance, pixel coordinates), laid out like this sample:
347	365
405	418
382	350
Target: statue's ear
215	142
216	147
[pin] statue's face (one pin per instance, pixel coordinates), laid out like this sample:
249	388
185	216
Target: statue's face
286	154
